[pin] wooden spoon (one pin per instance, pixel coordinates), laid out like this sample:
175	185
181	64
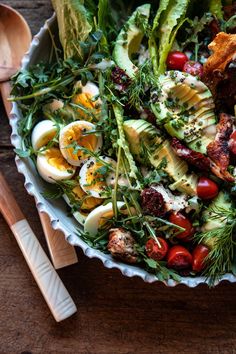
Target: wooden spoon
15	38
51	286
14	41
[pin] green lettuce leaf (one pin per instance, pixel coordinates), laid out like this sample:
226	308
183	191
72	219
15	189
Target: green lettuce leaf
215	7
103	19
170	21
162	7
74	25
153	50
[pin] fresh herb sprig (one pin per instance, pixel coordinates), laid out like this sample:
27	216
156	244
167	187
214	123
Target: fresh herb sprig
222	240
140	84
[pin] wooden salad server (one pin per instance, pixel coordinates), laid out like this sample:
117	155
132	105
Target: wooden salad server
15	38
51	286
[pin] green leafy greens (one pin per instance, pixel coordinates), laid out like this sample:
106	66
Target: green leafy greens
74	26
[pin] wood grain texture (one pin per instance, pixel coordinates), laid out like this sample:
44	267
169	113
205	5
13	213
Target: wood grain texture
61	252
117	315
8	205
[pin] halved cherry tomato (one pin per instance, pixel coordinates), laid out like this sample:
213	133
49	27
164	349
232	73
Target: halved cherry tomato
176	60
232	143
154	251
179	258
182	221
206	188
193	68
200	253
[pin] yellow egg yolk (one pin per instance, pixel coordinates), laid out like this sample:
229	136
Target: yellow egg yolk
46	138
88	202
55	159
94	180
104	219
85	99
75	134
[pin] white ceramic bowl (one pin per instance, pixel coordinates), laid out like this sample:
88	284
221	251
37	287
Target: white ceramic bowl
39	50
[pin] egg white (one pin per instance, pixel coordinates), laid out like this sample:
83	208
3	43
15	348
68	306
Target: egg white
91	224
42	133
89	88
66	139
97	189
51	173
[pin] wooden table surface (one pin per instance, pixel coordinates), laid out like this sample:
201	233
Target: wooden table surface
115	314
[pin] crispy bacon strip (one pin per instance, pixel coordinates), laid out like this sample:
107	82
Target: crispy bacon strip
220	71
194	158
223	48
218	150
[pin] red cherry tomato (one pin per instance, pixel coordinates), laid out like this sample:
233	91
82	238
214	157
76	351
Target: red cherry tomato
206	188
193	67
232	143
154	251
179	258
182	221
200	253
176	60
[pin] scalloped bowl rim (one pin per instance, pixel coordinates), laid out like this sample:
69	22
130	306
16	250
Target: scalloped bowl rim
43	206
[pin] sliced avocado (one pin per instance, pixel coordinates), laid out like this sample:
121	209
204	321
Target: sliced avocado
200	144
186	184
143	138
173	165
129	39
192	129
185	107
149	147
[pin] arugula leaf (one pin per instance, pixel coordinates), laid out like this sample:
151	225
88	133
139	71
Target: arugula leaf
74	26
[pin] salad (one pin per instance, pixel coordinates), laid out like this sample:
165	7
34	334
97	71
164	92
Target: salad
132	122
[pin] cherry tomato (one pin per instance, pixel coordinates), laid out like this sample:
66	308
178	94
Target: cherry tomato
232	143
206	188
154	251
200	253
194	68
182	221
179	258
176	60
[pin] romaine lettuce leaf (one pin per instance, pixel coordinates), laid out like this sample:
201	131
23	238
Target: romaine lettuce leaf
215	7
170	21
153	50
74	26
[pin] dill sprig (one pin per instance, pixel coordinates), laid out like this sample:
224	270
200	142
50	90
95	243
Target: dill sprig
141	83
220	258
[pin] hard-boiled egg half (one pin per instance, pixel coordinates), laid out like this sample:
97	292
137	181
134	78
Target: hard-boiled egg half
95	176
42	133
99	217
88	203
53	167
77	134
87	100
